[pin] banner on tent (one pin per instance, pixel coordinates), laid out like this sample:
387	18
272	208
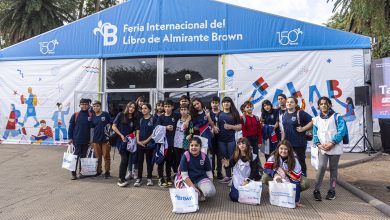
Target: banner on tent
380	77
38	98
307	75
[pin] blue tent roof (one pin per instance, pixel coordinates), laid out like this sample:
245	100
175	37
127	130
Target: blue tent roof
157	27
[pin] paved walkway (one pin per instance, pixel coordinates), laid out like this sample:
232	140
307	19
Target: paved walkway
33	186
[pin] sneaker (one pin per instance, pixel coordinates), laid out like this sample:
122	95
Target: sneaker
225	180
107	175
162	183
317	195
331	195
73	176
202	198
149	182
123	183
98	173
137	183
129	176
169	182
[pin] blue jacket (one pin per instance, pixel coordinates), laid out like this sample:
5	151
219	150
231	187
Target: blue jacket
80	130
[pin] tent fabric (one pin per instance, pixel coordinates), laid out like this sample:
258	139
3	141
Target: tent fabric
157	27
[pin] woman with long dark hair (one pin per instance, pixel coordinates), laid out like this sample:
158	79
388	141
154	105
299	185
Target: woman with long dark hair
271	131
229	122
124	126
295	123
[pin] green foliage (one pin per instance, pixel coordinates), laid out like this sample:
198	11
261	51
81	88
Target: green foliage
23	19
367	17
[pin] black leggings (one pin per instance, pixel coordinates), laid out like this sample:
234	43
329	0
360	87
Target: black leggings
141	151
123	165
301	155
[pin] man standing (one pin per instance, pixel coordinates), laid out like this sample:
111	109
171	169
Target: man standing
79	133
31	102
282	99
100	140
59	122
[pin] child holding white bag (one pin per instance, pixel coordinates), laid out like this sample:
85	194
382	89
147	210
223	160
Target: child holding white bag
283	166
196	172
245	167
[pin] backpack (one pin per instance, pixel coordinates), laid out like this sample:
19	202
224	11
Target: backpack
35	101
346	136
90	114
179	181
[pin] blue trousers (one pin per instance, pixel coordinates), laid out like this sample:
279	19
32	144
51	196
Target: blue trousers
226	150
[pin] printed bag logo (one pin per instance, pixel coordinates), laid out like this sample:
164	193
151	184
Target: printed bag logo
108	31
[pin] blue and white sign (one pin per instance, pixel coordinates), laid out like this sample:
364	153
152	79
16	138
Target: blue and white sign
157	27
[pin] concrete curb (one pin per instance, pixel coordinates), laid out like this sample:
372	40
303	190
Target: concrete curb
351	163
381	206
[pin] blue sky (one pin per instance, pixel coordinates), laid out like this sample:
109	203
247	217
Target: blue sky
313	11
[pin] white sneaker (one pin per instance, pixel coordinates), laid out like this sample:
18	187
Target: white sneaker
122	184
137	183
149	182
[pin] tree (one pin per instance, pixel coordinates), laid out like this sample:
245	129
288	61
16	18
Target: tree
367	17
23	19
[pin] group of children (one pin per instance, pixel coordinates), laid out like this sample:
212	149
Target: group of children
197	142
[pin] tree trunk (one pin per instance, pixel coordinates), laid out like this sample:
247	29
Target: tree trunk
97	5
81	9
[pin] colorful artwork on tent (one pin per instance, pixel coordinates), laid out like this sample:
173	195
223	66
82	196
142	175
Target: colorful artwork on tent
303	75
41	98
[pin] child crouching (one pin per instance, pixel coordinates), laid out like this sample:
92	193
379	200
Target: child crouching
282	166
196	170
245	167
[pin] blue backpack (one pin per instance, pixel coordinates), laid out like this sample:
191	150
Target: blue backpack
346	135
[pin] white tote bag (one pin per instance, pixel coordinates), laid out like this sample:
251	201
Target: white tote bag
282	194
69	160
314	156
184	200
250	193
89	164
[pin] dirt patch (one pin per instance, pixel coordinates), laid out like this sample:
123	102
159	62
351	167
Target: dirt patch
372	177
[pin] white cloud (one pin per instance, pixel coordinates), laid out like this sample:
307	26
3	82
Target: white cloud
313	11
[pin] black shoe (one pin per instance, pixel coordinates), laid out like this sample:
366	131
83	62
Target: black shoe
107	175
388	187
98	173
73	177
331	195
317	195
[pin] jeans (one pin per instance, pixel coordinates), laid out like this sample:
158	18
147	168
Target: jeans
333	168
216	162
132	163
226	150
57	133
255	147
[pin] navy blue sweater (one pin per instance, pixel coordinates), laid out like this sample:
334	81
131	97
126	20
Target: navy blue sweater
80	130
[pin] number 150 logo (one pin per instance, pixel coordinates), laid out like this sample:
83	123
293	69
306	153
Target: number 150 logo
289	37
